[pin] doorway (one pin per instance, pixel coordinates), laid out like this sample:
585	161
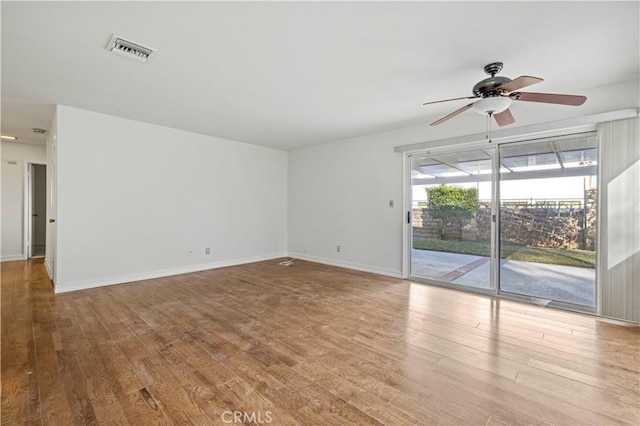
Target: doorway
37	211
451	217
515	219
548	216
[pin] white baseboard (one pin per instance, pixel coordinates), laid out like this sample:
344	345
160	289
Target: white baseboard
12	258
48	268
348	265
123	279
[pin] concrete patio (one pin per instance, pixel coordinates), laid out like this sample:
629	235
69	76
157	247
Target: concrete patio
560	283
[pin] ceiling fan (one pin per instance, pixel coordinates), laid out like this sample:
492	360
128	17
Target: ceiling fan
495	94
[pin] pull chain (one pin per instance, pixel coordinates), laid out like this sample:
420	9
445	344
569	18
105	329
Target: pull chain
489	115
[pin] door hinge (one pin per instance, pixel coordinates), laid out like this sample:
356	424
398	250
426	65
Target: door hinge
408	217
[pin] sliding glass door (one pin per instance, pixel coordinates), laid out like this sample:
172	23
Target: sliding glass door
548	213
451	217
517	219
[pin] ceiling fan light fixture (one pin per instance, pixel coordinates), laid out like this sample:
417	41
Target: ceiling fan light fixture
492	105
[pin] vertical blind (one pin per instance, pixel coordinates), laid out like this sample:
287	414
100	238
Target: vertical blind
619	237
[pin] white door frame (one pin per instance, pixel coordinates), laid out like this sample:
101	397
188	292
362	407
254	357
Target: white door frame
408	194
50	258
407	236
495	255
27	225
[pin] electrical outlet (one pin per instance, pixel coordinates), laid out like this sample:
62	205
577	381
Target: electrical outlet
190	252
338	249
390	203
207	250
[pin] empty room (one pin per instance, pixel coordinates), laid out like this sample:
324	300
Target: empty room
320	213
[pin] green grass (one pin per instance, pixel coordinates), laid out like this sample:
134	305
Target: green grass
569	257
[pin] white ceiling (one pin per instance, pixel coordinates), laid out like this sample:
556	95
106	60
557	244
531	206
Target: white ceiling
290	74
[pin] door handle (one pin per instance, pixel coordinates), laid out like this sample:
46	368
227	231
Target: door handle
51	220
35	215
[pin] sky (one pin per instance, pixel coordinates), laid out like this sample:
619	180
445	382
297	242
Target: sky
553	188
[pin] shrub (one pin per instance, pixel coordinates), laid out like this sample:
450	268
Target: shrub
451	204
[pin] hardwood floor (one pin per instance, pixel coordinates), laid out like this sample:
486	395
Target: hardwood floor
304	344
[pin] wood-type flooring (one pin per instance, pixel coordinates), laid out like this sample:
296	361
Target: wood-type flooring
304	344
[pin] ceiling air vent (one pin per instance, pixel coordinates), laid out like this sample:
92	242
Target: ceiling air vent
129	49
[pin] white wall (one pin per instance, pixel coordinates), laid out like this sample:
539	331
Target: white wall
339	195
339	192
13	195
133	198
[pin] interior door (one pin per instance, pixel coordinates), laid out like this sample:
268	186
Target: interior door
36	210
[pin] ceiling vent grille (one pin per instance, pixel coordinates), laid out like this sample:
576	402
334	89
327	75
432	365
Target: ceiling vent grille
129	49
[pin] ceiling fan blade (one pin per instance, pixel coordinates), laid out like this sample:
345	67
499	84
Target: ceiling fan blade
504	118
453	114
519	83
447	100
549	98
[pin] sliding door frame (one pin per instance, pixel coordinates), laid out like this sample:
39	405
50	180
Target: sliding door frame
408	246
496	181
444	147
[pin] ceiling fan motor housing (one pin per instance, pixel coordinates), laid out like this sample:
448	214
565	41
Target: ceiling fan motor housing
488	86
